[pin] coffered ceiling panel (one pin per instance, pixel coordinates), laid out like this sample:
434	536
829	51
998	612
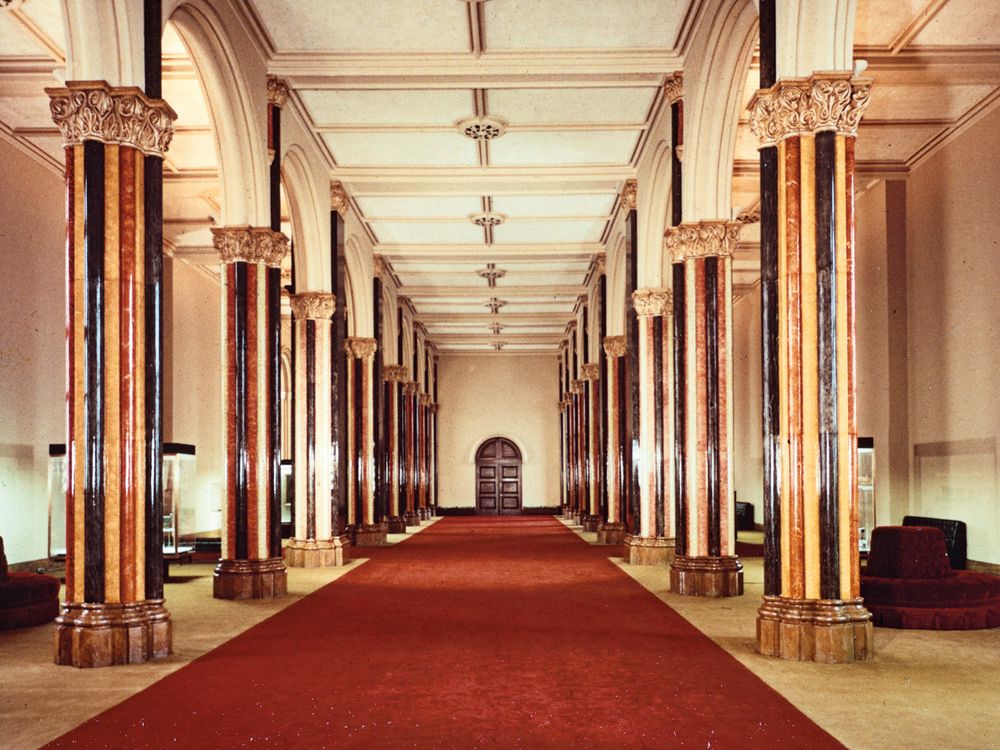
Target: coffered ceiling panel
899	102
445	232
564	147
401	149
583	24
963	22
584	204
416	25
387	106
578	105
548	231
418	206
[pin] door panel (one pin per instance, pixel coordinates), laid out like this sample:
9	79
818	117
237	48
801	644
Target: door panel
498	477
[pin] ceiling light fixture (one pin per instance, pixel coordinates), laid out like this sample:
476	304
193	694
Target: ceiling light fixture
495	304
488	219
482	128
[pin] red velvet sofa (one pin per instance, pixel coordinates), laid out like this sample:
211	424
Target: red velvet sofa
26	598
909	583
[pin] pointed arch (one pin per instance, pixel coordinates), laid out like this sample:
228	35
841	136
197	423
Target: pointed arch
653	210
308	210
104	41
358	290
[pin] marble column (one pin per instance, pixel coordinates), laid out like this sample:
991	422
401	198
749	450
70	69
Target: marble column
612	528
410	396
651	543
315	542
423	454
361	444
251	566
577	390
394	376
812	607
592	410
112	613
704	504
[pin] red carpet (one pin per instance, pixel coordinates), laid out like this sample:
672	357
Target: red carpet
478	632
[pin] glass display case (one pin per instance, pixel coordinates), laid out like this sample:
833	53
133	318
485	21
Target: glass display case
866	491
57	501
178	473
287	499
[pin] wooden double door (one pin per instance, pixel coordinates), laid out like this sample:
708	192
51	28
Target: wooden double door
498	477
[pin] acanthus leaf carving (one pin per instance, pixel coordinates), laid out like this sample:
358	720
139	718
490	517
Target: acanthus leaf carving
250	245
702	239
360	347
277	91
629	194
313	305
652	302
615	346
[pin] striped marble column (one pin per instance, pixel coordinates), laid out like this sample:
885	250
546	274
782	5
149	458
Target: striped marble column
705	563
251	566
423	454
653	543
109	617
315	542
592	396
361	444
394	376
612	528
812	609
410	396
577	389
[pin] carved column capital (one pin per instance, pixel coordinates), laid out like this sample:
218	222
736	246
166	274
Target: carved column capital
277	91
673	87
652	302
629	193
380	267
564	404
394	373
576	386
805	106
424	399
702	239
360	348
338	199
250	245
411	388
600	265
615	346
313	305
123	115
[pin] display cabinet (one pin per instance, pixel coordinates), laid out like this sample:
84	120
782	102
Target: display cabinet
178	473
57	501
866	491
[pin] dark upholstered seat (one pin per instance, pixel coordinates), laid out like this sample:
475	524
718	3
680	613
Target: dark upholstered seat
909	583
26	598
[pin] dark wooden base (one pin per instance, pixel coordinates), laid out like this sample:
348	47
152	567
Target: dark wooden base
250	579
412	518
396	524
610	533
706	576
832	631
371	535
105	635
317	553
652	550
590	523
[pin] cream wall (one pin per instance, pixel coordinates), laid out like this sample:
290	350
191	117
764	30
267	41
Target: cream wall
953	239
509	395
32	341
747	444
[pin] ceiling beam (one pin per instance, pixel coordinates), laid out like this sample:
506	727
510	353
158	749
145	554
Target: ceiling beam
476	292
489	338
491	253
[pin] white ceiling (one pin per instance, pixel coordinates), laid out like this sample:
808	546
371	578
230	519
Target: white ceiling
578	84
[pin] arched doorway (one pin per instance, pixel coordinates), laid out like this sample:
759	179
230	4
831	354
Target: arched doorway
498	477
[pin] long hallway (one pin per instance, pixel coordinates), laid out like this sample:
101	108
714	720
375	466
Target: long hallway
477	632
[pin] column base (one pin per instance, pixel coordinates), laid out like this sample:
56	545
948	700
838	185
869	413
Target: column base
371	535
424	513
396	524
250	579
411	518
590	522
105	635
610	533
576	517
706	576
648	550
832	631
317	553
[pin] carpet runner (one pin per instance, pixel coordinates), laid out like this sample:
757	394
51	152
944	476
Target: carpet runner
478	632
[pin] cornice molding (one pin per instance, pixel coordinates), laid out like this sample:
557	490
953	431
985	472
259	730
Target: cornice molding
313	305
250	245
360	348
805	106
122	115
702	239
652	302
615	346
